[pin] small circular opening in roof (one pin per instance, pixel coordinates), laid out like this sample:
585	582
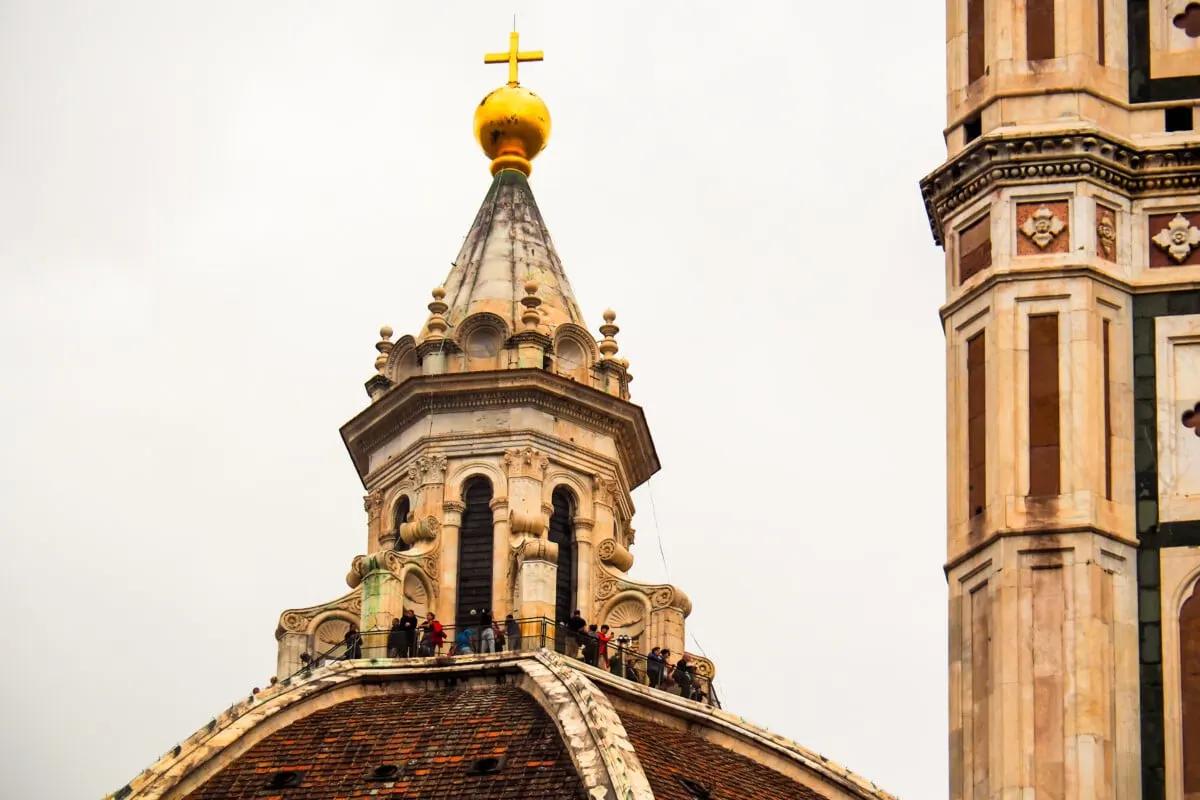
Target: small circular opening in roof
284	779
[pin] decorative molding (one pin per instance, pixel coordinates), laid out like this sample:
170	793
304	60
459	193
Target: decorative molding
1178	238
454	506
422	395
525	462
992	162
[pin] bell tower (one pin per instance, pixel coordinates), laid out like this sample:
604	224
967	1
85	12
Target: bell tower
1068	210
500	445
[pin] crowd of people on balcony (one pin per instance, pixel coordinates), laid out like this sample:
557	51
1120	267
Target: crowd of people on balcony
598	646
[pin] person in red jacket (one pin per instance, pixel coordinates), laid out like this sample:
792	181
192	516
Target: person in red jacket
433	635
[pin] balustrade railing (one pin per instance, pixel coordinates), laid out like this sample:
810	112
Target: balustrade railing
622	656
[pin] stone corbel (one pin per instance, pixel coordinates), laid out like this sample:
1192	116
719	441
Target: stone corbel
615	555
522	524
539	550
421	530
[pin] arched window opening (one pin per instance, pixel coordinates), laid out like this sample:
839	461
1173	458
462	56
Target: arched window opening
562	533
403	506
475	552
1189	688
482	347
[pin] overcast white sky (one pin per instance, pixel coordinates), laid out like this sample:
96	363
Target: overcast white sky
208	209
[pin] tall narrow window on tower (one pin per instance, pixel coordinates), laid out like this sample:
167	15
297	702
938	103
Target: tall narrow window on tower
1039	29
1100	31
1043	405
976	426
562	533
475	552
1107	355
976	62
1189	662
974	248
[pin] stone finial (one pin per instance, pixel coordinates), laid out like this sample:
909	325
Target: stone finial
437	324
384	346
608	345
531	301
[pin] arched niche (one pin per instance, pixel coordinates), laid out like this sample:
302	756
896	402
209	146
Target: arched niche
628	614
481	338
402	362
418	591
328	631
475	548
574	352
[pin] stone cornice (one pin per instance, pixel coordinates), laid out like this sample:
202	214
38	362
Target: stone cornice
1041	158
1032	533
431	394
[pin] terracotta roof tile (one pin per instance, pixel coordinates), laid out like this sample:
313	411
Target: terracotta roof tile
669	754
434	738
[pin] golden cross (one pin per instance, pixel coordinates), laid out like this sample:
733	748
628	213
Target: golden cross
513	57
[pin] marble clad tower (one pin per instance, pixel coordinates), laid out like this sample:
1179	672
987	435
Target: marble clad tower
1069	211
500	446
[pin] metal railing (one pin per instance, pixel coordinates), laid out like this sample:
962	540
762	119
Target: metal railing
621	655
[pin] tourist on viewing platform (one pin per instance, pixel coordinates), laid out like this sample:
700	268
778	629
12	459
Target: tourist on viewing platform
352	642
602	640
432	636
487	634
655	666
464	642
512	632
591	646
684	676
396	645
577	625
408	622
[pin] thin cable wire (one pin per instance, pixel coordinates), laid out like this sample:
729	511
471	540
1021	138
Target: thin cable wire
657	528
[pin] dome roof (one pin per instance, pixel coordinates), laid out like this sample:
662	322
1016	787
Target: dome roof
506	725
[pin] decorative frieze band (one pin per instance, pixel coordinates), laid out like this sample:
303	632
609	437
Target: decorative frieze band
1038	159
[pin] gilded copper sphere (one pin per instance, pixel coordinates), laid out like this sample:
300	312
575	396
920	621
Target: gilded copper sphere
512	125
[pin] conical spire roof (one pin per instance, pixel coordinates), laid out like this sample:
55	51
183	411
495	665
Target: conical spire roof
508	245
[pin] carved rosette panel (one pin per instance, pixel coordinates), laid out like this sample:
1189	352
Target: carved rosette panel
704	667
525	462
1042	228
1174	240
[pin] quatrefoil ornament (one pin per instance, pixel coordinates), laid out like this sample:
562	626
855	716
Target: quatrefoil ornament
1178	238
1191	419
1042	226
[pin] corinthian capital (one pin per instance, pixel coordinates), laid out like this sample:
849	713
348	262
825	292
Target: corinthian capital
525	462
427	469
